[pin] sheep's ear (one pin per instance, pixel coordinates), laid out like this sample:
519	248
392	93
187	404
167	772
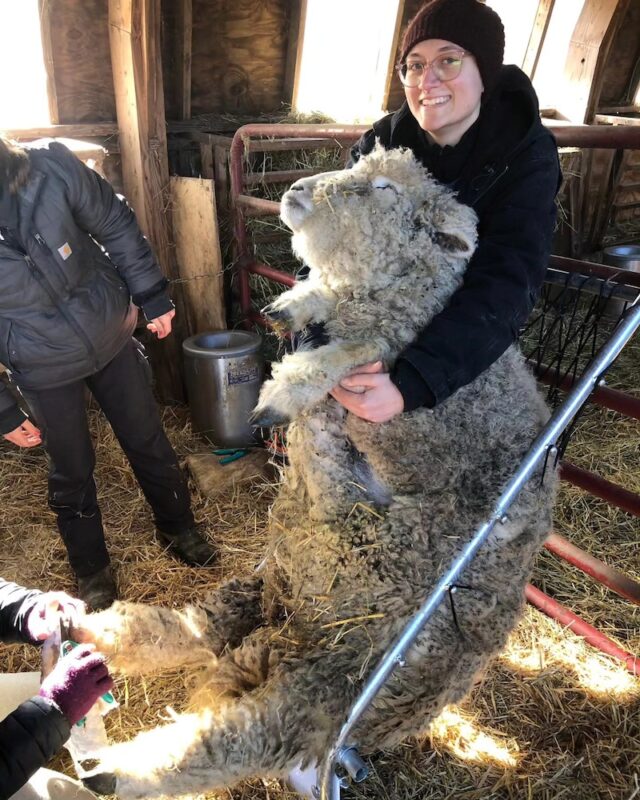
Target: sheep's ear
451	243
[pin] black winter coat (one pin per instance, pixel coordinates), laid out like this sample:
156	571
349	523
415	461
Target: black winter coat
71	258
506	167
36	730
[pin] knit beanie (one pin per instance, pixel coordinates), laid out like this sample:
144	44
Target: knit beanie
469	23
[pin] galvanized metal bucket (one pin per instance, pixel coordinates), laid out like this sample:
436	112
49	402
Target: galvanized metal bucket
623	256
224	371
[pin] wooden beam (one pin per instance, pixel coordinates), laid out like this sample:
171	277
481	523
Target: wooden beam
391	67
297	25
134	38
536	39
178	46
90	130
45	10
583	58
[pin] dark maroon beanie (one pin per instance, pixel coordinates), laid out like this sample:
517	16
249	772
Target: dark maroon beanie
468	23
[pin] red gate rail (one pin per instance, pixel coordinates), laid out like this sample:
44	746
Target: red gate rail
617	581
600	487
561	614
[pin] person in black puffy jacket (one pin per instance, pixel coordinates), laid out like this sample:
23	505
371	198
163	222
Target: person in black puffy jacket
73	267
37	727
475	125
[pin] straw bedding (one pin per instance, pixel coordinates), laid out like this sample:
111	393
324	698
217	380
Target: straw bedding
553	718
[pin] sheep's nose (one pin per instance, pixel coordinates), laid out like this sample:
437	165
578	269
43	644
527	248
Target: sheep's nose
296	187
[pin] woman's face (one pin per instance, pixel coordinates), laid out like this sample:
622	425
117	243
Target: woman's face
445	109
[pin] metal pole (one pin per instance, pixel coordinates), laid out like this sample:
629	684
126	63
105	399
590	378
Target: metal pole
543	445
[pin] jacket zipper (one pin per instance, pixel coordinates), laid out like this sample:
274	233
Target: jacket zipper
43	280
495	177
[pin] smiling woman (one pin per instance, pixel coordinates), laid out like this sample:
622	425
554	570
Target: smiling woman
474	124
24	89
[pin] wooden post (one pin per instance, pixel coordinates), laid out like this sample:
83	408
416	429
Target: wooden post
536	39
393	55
45	10
583	58
185	33
134	37
294	50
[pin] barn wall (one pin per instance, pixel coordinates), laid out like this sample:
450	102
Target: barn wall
622	58
239	55
81	60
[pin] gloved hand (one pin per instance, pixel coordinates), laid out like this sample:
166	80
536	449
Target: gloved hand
77	681
48	609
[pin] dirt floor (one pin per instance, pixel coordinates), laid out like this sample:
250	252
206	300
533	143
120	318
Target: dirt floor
553	719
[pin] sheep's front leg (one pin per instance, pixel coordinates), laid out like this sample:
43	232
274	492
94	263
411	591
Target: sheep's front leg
306	302
303	379
143	639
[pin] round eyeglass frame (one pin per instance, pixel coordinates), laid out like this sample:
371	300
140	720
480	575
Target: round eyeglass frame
429	64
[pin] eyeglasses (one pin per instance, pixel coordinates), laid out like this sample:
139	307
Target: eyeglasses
445	67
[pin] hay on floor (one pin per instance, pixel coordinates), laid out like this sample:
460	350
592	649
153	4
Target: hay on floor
553	718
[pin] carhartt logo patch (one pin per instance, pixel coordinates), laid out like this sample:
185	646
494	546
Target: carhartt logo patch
65	251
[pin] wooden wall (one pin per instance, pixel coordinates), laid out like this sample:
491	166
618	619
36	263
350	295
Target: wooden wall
239	52
239	57
622	57
80	60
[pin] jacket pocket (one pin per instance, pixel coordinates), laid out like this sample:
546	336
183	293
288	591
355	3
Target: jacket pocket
9	355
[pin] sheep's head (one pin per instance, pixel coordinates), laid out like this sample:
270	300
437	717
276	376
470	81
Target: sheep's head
380	219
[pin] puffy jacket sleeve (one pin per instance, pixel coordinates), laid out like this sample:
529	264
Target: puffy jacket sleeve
15	604
501	285
109	219
29	738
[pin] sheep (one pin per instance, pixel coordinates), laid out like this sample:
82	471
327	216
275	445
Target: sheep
366	519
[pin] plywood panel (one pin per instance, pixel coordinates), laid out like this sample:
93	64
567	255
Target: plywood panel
80	61
583	58
621	60
195	232
239	55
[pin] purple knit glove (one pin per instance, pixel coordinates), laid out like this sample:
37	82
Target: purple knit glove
76	682
47	612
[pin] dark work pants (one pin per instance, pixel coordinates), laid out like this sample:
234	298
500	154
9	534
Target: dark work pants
123	391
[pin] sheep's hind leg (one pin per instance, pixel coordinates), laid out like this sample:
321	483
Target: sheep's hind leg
142	639
265	733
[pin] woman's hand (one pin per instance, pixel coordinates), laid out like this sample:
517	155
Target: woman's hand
49	610
369	393
161	326
77	681
25	435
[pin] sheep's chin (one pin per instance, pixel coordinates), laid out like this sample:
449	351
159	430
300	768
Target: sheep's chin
293	213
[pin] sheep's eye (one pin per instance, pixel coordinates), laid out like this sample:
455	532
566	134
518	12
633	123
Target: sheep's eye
384	183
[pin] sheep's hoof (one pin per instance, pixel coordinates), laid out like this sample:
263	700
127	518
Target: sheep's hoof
268	417
274	314
100	783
